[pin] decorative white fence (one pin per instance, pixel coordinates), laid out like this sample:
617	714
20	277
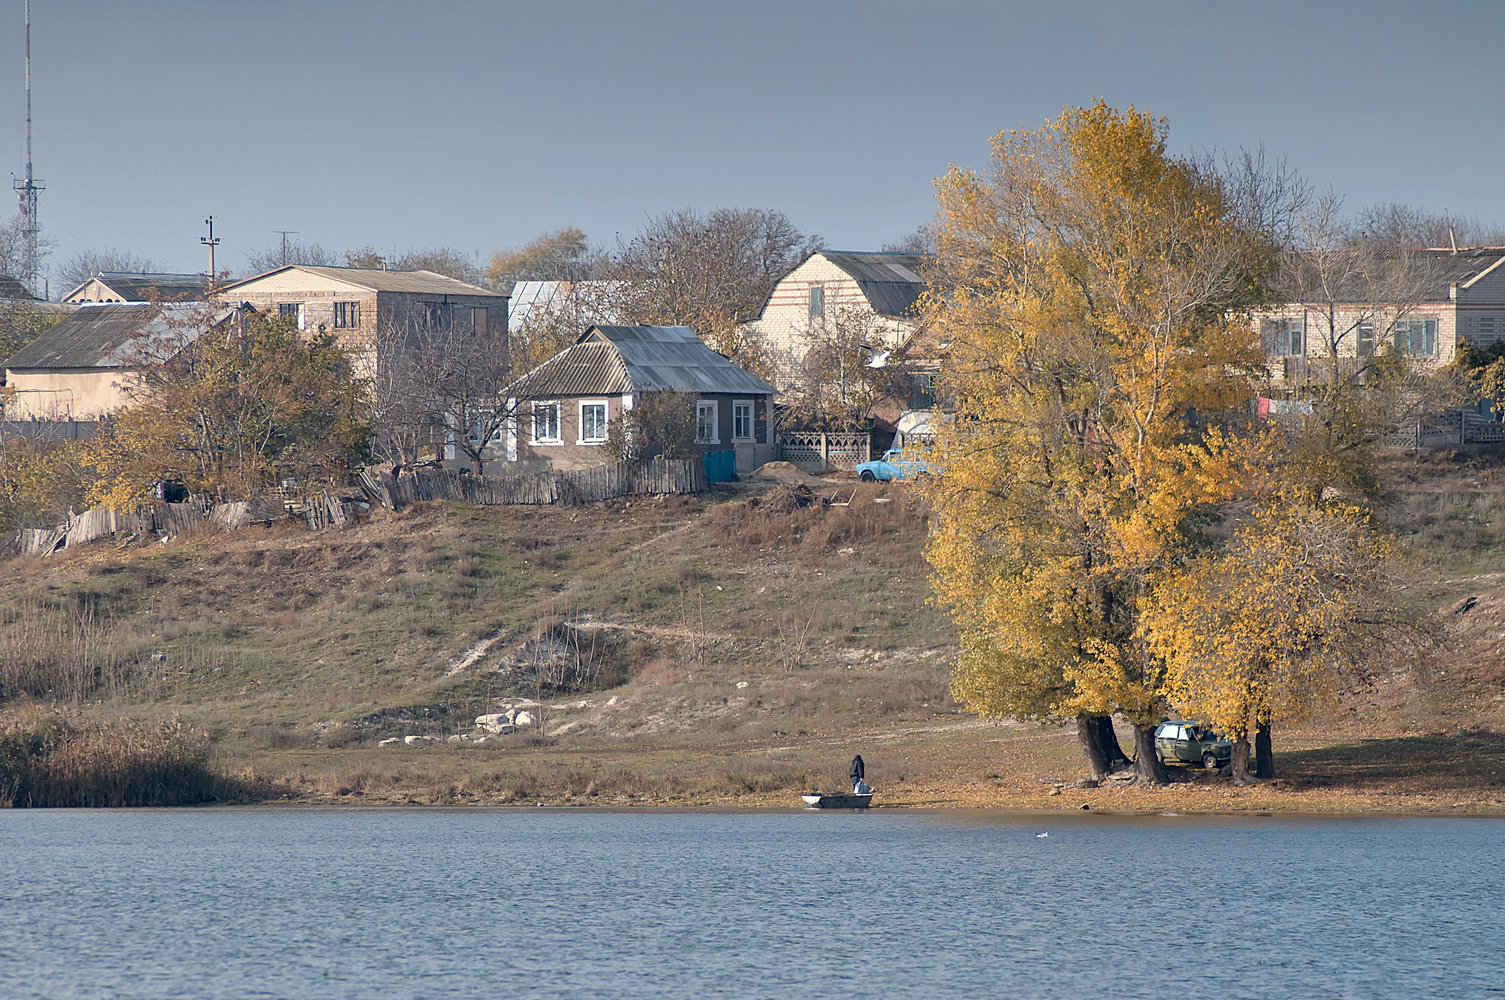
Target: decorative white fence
821	450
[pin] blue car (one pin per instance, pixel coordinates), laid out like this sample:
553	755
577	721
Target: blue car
895	464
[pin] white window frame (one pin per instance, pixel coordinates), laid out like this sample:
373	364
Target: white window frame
580	437
710	406
558	436
752	420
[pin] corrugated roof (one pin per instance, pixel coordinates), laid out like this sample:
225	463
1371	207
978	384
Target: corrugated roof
586	298
111	336
1433	272
891	281
378	280
137	286
613	360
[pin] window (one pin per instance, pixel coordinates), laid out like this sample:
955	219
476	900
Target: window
705	422
922	390
742	420
434	315
1365	342
817	301
546	423
479	321
1487	331
592	423
347	315
1416	336
1283	336
292	311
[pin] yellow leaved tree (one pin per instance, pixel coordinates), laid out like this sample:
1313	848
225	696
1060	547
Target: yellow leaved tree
1270	625
1095	290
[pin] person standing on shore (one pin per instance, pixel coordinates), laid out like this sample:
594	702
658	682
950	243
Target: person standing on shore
858	772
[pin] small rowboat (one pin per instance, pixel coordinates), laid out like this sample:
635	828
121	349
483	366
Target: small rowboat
837	800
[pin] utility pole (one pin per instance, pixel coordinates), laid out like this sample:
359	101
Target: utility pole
211	241
285	234
27	188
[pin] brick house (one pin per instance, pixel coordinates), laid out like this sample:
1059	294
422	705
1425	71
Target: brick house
363	305
561	411
1421	303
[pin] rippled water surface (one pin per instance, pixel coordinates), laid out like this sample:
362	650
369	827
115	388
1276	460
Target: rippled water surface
472	904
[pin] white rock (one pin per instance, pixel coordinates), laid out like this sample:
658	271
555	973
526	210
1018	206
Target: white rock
415	740
741	685
494	722
390	741
523	719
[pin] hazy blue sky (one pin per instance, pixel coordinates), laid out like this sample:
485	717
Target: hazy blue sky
479	125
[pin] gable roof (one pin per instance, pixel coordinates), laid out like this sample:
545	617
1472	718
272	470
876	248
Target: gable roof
377	280
1434	272
891	281
11	288
615	360
111	336
135	286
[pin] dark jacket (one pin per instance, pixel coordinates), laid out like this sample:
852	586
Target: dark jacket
858	770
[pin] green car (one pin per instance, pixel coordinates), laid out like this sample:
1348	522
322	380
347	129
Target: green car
1189	743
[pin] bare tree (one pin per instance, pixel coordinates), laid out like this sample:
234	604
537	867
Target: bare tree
847	368
290	252
439	382
708	272
1396	225
447	261
87	263
12	250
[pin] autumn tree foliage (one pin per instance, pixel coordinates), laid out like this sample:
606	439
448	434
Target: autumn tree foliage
1270	625
557	255
232	408
1096	291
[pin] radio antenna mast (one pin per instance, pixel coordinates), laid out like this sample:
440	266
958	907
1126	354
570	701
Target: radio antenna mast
27	188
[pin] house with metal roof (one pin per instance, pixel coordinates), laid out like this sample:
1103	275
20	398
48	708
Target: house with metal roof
137	286
562	411
366	306
836	296
84	366
1353	304
577	303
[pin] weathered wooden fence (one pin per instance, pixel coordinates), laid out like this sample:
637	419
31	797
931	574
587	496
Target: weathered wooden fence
1453	428
822	450
323	510
589	485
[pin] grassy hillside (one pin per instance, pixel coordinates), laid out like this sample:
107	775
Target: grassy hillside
734	647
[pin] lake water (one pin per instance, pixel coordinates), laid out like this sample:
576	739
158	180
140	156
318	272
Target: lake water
293	903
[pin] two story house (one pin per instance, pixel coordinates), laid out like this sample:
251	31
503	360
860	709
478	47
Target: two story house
364	307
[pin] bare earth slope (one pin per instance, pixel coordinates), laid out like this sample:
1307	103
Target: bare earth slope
734	648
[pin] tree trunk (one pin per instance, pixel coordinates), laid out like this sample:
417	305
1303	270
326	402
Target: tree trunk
1240	761
1264	753
1148	769
1108	740
1088	733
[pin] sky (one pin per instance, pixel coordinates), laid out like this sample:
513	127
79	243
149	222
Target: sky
478	126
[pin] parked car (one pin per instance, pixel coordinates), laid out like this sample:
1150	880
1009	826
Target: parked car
1189	743
895	464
